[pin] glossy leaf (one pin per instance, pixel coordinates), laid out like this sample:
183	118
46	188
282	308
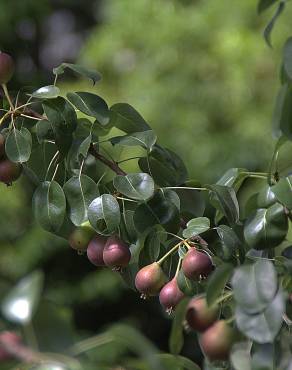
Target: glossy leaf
127	119
234	177
46	92
104	214
217	282
44	130
85	72
151	247
18	145
92	105
262	327
187	286
138	186
266	197
196	226
84	147
192	202
145	139
266	228
49	205
80	191
176	339
21	302
157	210
61	115
228	203
255	286
229	239
283	191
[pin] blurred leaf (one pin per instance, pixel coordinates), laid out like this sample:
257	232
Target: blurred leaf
217	282
46	92
138	186
265	4
261	288
263	356
104	214
127	119
240	359
287	57
196	226
283	191
269	28
21	302
176	339
146	139
49	205
187	286
173	362
85	72
90	104
18	145
80	191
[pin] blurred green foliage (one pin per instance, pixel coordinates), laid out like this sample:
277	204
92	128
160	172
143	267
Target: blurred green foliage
201	74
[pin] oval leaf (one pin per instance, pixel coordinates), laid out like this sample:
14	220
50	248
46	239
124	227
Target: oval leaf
18	145
46	92
85	72
217	282
196	226
138	186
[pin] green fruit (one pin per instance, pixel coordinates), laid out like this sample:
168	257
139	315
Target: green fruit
9	171
216	342
6	68
81	237
199	315
150	279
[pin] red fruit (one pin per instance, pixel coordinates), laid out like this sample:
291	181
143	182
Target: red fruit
116	253
9	171
199	315
216	342
2	146
170	295
95	250
150	279
6	68
196	264
10	339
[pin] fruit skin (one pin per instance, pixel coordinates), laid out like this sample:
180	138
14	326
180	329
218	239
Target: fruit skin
199	315
10	338
6	68
2	146
216	342
150	279
80	237
116	253
196	264
9	171
95	250
170	295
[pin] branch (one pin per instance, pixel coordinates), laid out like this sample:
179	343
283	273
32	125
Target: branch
112	165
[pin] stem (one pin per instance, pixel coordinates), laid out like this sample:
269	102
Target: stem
173	249
230	320
4	87
50	165
88	344
30	117
178	267
128	200
128	159
111	164
223	297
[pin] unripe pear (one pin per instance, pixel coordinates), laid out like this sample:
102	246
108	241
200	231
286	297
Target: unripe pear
95	250
9	171
11	339
216	342
80	237
150	279
170	295
6	68
199	315
2	146
116	253
196	264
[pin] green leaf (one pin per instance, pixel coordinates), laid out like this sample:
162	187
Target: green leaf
240	359
266	197
196	226
21	302
255	286
173	362
266	228
44	130
228	203
127	119
283	191
192	202
92	105
269	28
151	247
49	205
264	326
287	57
265	4
217	282
234	177
282	115
61	115
176	339
229	239
145	139
84	147
104	214
263	356
18	145
157	210
80	191
138	186
46	92
187	286
85	72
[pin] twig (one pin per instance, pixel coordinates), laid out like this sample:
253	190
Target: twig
112	165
